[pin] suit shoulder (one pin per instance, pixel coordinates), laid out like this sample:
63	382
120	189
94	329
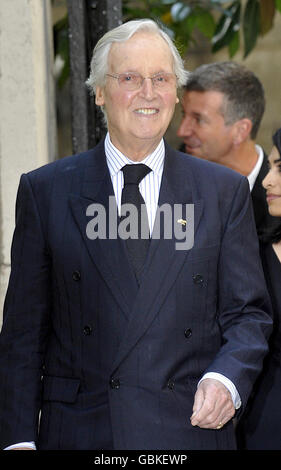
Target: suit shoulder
210	170
61	165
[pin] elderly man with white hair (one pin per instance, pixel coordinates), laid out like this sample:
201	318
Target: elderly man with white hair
139	331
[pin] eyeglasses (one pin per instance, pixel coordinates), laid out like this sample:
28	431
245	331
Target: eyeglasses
131	81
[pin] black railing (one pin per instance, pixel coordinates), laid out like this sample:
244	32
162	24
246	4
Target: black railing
88	20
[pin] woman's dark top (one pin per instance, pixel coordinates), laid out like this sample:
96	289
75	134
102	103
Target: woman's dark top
260	426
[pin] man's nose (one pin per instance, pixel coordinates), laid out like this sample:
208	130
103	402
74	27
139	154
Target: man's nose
186	127
147	89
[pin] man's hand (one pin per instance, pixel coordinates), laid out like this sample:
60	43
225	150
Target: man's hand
213	406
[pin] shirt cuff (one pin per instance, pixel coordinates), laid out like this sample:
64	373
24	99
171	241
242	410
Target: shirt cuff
228	384
31	445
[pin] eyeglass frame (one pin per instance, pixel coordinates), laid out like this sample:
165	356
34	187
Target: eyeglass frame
117	76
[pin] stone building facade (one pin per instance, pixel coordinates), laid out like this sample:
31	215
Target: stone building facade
27	109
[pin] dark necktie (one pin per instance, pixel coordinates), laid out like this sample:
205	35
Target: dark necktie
137	247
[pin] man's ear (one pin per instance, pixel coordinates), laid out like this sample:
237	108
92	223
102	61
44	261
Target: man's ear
242	130
99	100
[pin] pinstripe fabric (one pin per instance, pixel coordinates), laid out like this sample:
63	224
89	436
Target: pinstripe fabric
149	186
108	350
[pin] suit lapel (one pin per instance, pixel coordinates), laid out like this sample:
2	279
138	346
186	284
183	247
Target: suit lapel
140	305
108	254
164	261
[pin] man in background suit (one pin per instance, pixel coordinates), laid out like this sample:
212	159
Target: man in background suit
131	342
223	105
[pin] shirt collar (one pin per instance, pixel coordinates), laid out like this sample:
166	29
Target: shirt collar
116	159
255	171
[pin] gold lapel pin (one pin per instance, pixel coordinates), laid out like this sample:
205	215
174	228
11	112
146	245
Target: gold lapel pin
181	221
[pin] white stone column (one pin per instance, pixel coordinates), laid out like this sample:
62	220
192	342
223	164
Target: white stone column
27	109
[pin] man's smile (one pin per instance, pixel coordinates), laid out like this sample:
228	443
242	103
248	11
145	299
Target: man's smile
147	111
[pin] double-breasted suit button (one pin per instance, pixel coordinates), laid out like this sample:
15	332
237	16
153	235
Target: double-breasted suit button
198	279
76	276
188	333
87	330
114	383
171	384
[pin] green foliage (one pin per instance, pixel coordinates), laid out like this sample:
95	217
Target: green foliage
278	5
223	23
251	25
61	47
227	29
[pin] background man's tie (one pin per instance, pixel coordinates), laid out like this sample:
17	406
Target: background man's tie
137	248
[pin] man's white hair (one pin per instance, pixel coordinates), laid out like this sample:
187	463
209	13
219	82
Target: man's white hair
99	62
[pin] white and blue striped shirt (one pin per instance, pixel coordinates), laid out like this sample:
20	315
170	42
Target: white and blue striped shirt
149	186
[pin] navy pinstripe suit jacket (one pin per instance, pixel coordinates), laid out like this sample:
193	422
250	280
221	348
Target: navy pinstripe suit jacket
101	362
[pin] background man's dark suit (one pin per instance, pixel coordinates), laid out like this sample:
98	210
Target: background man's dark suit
262	217
120	365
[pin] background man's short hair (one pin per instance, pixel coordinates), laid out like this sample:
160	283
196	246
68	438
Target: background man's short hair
242	90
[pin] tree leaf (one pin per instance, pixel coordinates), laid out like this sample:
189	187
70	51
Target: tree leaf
190	22
234	44
251	25
278	5
267	13
227	27
205	23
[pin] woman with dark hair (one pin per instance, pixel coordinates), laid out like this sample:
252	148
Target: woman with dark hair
260	427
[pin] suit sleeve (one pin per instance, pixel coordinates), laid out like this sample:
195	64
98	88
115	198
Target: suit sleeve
244	307
25	324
